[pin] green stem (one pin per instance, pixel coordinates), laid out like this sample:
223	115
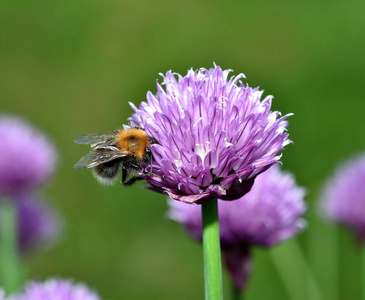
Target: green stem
9	259
236	294
323	256
211	250
363	271
295	272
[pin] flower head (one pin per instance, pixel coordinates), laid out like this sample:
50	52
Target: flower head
26	156
56	289
343	199
213	135
38	224
270	213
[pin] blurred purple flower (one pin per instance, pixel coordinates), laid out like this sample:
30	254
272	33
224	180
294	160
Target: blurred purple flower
27	158
213	135
343	198
38	224
270	213
56	289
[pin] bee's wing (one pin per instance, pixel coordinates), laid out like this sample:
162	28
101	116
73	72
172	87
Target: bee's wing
91	139
95	158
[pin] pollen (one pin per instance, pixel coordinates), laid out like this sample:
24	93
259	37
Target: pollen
133	141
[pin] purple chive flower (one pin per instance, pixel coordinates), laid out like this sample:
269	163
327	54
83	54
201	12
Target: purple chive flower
213	135
56	289
270	213
27	158
38	224
343	199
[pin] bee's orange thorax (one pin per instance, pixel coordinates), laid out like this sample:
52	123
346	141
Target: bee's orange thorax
134	141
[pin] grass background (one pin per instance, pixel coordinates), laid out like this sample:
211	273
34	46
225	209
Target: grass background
70	68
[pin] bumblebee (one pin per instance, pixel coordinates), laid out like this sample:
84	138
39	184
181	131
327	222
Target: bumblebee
123	150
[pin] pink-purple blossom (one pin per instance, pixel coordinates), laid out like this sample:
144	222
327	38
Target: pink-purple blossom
39	225
212	135
270	213
27	158
343	199
55	289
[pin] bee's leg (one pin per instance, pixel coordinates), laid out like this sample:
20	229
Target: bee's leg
124	174
135	167
138	169
129	180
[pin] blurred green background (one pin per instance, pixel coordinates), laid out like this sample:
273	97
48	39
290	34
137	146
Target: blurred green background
70	68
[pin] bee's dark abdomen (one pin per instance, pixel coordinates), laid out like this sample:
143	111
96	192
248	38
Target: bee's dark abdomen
109	169
107	173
